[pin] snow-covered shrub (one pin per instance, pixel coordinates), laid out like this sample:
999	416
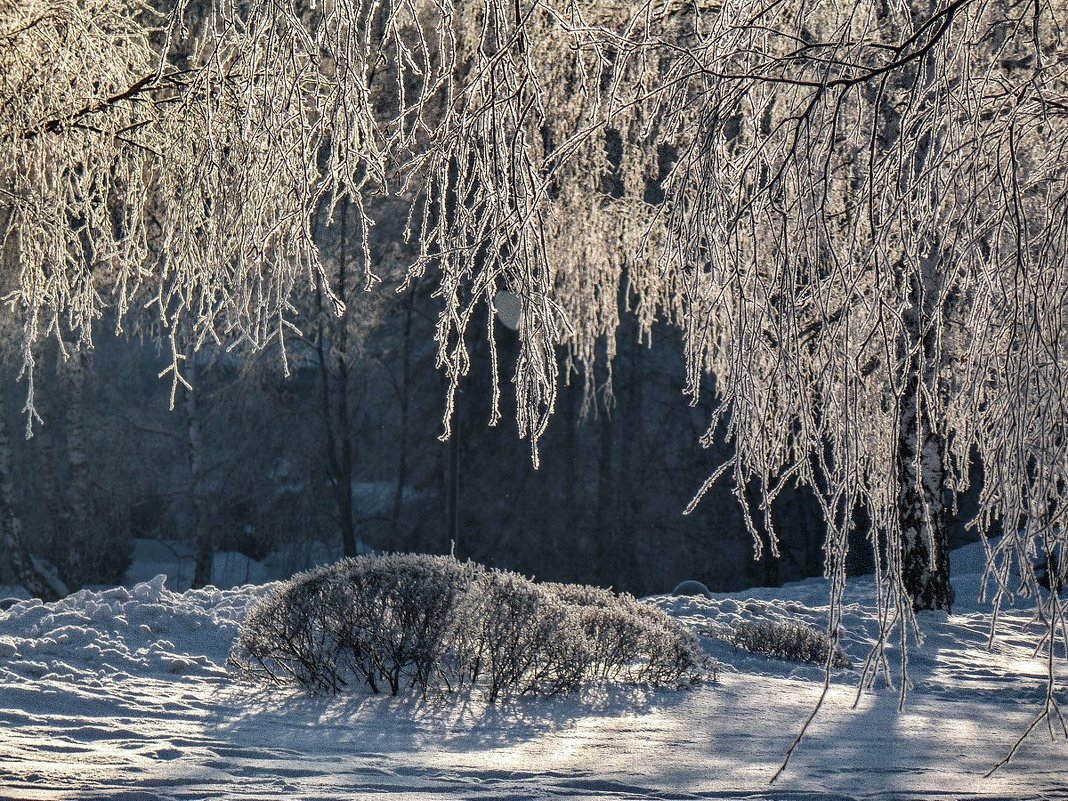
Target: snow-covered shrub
431	623
519	639
671	654
584	595
613	639
399	617
292	635
385	621
633	642
791	641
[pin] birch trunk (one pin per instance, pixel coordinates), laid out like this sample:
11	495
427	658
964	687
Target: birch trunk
921	450
924	536
921	477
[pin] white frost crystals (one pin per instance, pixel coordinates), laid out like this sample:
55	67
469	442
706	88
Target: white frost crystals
434	625
856	214
173	162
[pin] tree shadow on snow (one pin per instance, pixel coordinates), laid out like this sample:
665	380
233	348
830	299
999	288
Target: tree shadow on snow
961	709
451	722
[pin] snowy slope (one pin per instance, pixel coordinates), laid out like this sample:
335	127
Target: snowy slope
124	694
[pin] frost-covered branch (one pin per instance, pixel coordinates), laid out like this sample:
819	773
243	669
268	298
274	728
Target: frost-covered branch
857	214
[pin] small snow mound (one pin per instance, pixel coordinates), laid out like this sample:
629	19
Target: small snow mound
143	631
150	588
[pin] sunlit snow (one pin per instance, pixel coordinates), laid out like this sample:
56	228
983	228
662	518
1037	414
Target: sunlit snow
125	694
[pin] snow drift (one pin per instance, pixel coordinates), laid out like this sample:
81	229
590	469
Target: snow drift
125	694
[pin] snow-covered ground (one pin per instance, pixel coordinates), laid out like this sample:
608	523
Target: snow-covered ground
124	694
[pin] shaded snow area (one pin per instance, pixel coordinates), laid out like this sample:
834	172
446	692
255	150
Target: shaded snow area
125	694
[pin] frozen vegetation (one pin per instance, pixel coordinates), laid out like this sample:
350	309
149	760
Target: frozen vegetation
436	625
125	693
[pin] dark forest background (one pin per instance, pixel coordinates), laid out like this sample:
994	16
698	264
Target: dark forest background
344	454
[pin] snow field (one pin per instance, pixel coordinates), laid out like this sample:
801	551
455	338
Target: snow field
125	694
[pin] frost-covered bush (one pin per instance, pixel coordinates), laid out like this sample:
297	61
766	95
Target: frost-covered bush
670	653
584	595
792	641
399	616
519	639
385	621
633	642
432	623
293	634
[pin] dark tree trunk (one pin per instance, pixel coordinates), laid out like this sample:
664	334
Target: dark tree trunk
332	357
204	547
75	530
572	533
28	572
630	425
452	489
345	472
344	424
405	410
80	491
606	527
